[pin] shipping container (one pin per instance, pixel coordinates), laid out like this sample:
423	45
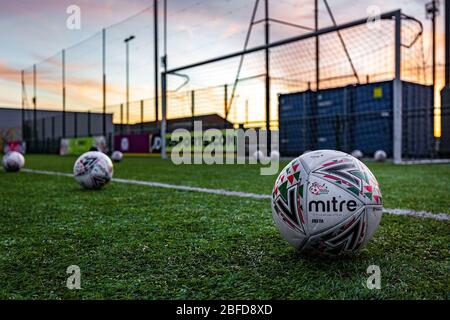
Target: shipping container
296	133
356	117
333	108
372	115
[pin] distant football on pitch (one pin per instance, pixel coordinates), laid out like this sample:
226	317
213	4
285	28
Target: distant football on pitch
275	155
13	161
357	154
93	170
258	155
380	156
326	203
117	156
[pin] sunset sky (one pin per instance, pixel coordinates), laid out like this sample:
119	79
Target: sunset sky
33	31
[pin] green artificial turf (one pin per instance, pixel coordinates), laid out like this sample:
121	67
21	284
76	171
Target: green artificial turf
151	243
417	187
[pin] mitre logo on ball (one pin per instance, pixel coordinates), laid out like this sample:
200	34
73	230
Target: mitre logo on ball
326	202
333	205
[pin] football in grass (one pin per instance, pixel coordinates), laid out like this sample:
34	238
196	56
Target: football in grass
380	156
13	161
357	154
275	155
258	155
93	170
326	203
117	156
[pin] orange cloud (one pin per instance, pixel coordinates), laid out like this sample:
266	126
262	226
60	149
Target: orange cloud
9	73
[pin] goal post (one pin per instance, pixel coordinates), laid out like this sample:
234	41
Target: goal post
397	88
384	107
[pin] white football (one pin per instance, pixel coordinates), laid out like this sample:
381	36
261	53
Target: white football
275	155
93	170
357	154
326	203
380	156
258	155
13	161
117	156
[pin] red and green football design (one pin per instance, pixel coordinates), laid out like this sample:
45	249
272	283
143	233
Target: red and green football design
327	202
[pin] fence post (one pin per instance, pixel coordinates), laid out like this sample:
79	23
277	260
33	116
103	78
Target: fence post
64	93
164	115
89	123
75	125
35	137
156	57
43	130
22	74
193	108
104	79
53	128
315	103
142	116
397	132
267	84
121	118
246	112
225	104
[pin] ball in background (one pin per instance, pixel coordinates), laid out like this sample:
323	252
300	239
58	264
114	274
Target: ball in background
93	170
13	161
117	156
357	154
380	156
326	203
275	155
258	155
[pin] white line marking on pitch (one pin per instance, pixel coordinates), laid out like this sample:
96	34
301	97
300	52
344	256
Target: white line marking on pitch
399	212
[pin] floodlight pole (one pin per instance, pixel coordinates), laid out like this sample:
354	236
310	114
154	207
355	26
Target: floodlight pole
127	52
